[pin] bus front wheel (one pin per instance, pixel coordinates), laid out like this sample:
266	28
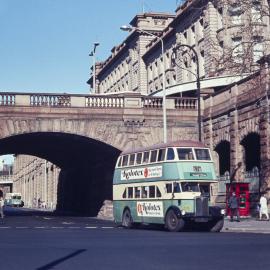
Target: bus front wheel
127	219
173	223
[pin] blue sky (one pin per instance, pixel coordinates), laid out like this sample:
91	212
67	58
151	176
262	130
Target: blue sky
45	43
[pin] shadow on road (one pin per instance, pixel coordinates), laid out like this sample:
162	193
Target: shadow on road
56	262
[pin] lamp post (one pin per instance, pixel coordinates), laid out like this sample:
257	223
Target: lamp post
93	54
198	84
130	28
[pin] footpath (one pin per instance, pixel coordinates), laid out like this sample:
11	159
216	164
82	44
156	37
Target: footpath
248	225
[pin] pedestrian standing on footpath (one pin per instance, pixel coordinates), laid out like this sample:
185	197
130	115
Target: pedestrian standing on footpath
2	206
263	207
233	204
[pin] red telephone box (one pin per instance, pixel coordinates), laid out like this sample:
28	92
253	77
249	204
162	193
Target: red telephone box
241	190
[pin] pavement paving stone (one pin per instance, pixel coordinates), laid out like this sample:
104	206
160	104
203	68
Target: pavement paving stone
247	225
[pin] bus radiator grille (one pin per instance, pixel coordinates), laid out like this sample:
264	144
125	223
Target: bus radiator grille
202	208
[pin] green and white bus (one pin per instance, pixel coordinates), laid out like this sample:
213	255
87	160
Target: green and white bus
166	184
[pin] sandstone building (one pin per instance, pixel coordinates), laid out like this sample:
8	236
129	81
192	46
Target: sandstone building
228	36
36	179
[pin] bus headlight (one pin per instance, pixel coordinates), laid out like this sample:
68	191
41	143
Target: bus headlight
183	212
222	211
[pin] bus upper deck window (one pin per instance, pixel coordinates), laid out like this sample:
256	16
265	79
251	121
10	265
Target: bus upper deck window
161	154
153	156
170	154
185	154
132	159
145	157
202	154
119	162
139	159
125	160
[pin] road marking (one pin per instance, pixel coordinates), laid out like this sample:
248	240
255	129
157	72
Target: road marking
74	227
39	227
93	227
57	227
21	227
107	227
5	227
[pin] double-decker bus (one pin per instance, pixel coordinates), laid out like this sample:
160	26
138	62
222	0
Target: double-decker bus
166	184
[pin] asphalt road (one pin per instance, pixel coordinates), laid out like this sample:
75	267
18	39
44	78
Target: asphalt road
31	240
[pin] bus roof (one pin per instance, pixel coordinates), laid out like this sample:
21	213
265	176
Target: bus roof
182	143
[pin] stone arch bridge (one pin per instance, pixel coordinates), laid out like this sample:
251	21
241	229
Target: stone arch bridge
84	134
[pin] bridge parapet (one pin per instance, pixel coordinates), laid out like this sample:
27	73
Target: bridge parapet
6	179
94	101
7	99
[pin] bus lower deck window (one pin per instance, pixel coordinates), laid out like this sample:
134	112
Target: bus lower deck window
130	192
158	193
144	192
137	192
176	188
152	190
169	188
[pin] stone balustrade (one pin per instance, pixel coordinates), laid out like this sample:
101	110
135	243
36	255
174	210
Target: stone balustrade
94	101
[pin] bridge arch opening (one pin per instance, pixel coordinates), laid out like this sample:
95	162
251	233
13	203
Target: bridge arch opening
223	151
86	167
252	151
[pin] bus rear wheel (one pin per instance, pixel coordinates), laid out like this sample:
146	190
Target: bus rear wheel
173	223
127	221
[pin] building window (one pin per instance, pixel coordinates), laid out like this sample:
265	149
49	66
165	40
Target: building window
257	49
237	47
235	13
256	15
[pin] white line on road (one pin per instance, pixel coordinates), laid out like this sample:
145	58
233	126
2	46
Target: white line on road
93	227
5	227
22	227
57	227
107	227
